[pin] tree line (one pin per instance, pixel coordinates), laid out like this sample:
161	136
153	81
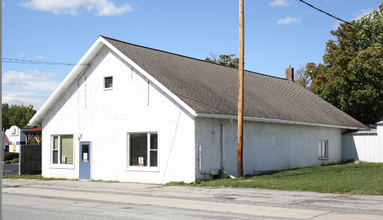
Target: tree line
351	75
18	115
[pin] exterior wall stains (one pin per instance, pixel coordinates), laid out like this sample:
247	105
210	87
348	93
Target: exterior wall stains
104	117
266	147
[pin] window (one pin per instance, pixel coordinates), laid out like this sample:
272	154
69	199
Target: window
143	149
62	150
323	149
14	131
108	82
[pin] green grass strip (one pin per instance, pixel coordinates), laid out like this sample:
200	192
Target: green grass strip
363	178
27	176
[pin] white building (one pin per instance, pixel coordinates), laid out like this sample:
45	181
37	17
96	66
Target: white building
16	138
365	145
138	114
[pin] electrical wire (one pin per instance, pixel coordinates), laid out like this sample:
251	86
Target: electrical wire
12	60
353	25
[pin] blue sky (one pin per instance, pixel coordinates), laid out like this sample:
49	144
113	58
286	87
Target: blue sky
278	33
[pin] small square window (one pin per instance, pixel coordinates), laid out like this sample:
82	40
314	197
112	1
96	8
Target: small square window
323	149
108	82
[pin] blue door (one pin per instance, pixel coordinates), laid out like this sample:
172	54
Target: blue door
84	161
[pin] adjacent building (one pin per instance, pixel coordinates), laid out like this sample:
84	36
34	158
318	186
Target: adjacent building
16	137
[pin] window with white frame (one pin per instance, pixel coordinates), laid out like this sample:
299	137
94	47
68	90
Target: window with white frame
62	149
108	82
143	149
323	149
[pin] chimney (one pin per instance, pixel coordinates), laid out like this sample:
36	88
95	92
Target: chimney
290	73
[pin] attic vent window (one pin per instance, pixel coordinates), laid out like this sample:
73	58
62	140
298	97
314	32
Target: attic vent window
108	82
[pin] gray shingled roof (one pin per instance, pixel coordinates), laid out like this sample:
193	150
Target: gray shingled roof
209	88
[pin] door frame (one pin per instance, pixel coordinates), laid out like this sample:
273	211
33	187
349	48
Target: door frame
81	163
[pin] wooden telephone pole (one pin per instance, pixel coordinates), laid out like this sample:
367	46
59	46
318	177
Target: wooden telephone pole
240	90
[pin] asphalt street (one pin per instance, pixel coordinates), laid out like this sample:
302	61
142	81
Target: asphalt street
100	200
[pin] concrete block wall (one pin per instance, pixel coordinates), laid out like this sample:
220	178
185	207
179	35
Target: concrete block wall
266	146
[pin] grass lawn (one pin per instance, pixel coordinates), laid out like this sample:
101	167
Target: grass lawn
363	178
36	176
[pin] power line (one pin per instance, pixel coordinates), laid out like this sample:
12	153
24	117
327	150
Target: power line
337	17
12	60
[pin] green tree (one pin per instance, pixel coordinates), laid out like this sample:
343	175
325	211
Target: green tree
16	115
351	76
225	60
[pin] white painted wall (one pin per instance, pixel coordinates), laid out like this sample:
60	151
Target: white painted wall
266	146
104	117
364	145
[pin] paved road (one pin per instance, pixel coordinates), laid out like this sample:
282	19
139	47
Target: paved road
144	201
10	169
21	207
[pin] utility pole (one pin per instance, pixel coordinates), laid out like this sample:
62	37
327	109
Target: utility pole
1	113
240	90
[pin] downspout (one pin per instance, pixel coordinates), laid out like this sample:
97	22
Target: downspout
222	147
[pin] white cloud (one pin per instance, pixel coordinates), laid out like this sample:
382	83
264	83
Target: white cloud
277	3
40	56
32	80
2	5
336	25
357	16
288	20
362	13
22	54
24	98
102	7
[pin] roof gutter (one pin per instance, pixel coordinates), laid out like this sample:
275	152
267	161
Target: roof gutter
270	120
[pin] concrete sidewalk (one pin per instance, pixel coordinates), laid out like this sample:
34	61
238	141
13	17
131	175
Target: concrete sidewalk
254	202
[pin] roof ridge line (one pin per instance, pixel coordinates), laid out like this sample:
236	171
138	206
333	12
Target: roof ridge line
253	72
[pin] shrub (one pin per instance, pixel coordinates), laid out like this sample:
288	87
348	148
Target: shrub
7	162
15	160
10	156
197	181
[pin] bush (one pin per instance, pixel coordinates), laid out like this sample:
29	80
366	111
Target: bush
10	156
15	160
7	162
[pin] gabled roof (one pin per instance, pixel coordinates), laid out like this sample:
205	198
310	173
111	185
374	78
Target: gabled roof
210	90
